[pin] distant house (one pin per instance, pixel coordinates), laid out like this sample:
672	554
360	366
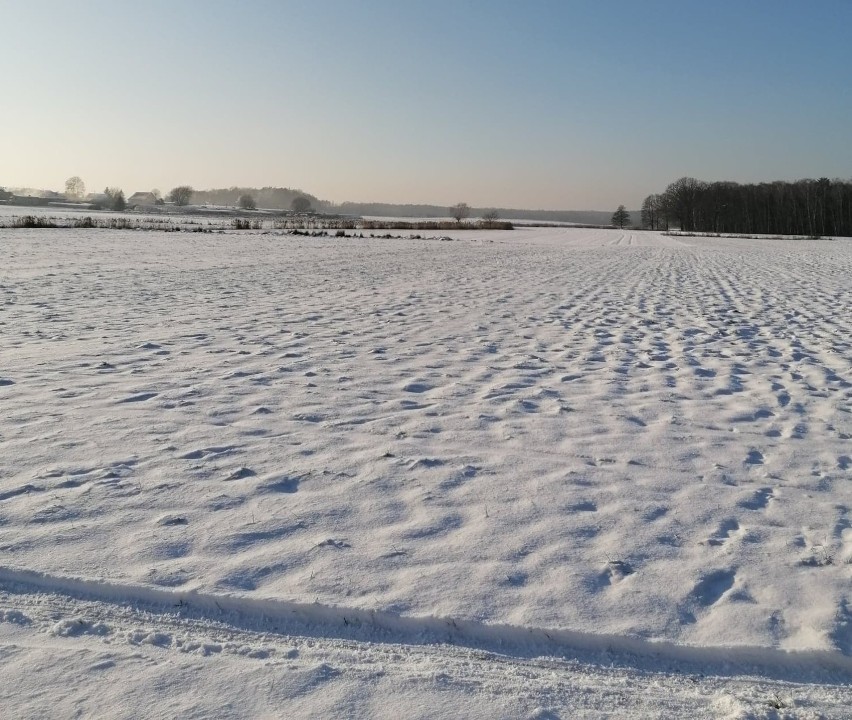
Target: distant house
142	199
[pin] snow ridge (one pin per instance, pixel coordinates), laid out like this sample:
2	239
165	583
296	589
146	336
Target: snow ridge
327	621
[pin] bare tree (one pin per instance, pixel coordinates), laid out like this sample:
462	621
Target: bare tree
620	217
300	204
75	187
489	217
652	215
682	198
246	202
460	211
181	195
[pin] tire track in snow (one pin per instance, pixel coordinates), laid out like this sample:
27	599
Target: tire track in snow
73	606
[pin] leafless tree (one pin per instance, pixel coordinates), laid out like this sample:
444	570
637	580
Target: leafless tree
652	213
75	187
180	195
460	211
489	217
246	202
682	197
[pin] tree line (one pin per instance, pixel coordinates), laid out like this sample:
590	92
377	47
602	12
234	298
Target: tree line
580	217
804	207
113	198
273	198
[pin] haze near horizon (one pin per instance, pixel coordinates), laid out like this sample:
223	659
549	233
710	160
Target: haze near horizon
550	105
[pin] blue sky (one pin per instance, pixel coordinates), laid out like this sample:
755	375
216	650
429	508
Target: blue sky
545	104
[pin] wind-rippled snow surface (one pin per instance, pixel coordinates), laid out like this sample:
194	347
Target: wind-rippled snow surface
606	432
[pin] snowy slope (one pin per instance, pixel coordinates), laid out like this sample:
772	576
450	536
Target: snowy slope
591	433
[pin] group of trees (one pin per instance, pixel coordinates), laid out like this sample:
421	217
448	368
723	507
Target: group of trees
462	211
300	204
273	198
582	217
115	198
804	207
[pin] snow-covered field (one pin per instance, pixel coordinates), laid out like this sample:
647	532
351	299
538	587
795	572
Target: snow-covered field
542	473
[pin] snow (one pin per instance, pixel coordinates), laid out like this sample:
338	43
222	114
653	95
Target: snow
552	472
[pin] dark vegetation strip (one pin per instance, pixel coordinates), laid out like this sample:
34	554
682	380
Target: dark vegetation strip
811	208
296	225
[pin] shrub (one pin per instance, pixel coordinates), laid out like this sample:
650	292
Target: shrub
246	224
31	221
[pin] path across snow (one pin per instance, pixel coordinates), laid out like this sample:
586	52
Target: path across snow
218	656
582	435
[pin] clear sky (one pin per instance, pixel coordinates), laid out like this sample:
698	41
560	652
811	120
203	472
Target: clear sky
540	104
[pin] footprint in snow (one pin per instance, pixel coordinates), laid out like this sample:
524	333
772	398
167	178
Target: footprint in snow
334	543
418	387
516	579
240	474
584	506
727	528
141	397
754	457
210	452
425	462
654	513
759	500
280	485
616	571
710	588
